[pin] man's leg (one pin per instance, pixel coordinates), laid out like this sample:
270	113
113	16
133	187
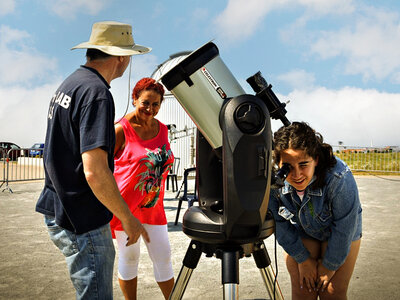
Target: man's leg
90	259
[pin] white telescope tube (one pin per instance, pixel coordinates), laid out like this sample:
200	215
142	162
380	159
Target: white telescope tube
201	83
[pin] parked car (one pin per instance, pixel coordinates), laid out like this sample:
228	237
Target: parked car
15	152
36	150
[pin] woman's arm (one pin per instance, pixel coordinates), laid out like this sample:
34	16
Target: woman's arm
346	206
286	233
119	138
290	240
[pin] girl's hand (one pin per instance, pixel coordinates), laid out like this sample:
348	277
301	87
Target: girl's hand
308	273
324	276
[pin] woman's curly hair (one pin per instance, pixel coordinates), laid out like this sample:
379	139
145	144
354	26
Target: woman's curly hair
300	136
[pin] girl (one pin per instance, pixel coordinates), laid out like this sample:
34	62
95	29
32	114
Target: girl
317	214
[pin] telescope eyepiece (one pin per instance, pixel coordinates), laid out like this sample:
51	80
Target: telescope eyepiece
283	172
257	82
278	178
264	92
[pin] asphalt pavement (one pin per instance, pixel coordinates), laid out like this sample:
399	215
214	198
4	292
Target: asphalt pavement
32	268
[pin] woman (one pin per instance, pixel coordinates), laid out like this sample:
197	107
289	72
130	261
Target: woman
317	214
143	158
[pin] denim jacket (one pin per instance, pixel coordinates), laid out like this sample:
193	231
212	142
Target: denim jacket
331	213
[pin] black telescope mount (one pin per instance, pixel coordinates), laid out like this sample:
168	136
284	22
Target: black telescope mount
233	184
233	168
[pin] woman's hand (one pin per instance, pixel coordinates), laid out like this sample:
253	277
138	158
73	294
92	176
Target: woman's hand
308	273
324	276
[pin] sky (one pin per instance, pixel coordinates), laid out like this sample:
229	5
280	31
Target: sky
335	63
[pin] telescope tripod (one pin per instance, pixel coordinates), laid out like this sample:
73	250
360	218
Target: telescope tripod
229	255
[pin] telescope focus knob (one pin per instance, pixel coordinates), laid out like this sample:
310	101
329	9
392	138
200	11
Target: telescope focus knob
249	118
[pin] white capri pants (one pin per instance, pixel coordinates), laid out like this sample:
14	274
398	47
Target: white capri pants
159	251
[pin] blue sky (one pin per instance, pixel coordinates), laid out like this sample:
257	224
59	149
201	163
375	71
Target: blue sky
337	61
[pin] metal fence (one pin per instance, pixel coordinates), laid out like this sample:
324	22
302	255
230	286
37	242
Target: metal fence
23	164
385	160
27	163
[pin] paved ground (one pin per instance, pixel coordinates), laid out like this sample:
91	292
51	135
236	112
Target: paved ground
32	268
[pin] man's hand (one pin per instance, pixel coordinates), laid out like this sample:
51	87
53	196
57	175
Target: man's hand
133	228
308	273
324	276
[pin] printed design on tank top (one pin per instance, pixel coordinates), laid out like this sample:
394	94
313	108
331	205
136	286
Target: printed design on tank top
150	180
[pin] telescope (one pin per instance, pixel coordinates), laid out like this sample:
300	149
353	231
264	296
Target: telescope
233	167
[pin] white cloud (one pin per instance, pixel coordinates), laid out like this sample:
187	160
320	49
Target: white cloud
367	42
7	7
23	113
19	61
241	18
24	102
158	10
328	7
369	47
10	36
200	14
396	78
68	9
352	115
298	78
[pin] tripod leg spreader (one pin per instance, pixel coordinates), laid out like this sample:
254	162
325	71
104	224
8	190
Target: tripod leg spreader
263	262
190	262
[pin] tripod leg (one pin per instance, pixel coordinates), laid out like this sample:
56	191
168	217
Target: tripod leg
230	274
263	262
190	261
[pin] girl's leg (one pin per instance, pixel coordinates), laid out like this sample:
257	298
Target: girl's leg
128	261
314	247
160	253
337	287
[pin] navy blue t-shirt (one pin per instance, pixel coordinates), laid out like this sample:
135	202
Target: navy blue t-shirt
80	118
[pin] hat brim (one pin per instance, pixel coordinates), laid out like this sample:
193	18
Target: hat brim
115	50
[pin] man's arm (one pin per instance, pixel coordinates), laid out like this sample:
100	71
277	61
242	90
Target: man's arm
103	185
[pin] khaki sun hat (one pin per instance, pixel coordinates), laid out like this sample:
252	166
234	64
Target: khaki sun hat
113	38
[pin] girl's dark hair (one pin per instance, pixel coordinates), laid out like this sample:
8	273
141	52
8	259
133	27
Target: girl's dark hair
300	136
93	54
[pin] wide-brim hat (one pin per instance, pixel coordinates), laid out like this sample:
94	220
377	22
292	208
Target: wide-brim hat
113	38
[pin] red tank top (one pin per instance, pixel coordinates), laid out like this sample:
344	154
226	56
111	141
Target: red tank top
141	169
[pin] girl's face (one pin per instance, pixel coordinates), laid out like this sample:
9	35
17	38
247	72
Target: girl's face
302	167
148	104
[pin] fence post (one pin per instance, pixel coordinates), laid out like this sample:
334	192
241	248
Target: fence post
7	165
3	159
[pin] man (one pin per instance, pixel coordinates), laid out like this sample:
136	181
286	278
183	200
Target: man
80	194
